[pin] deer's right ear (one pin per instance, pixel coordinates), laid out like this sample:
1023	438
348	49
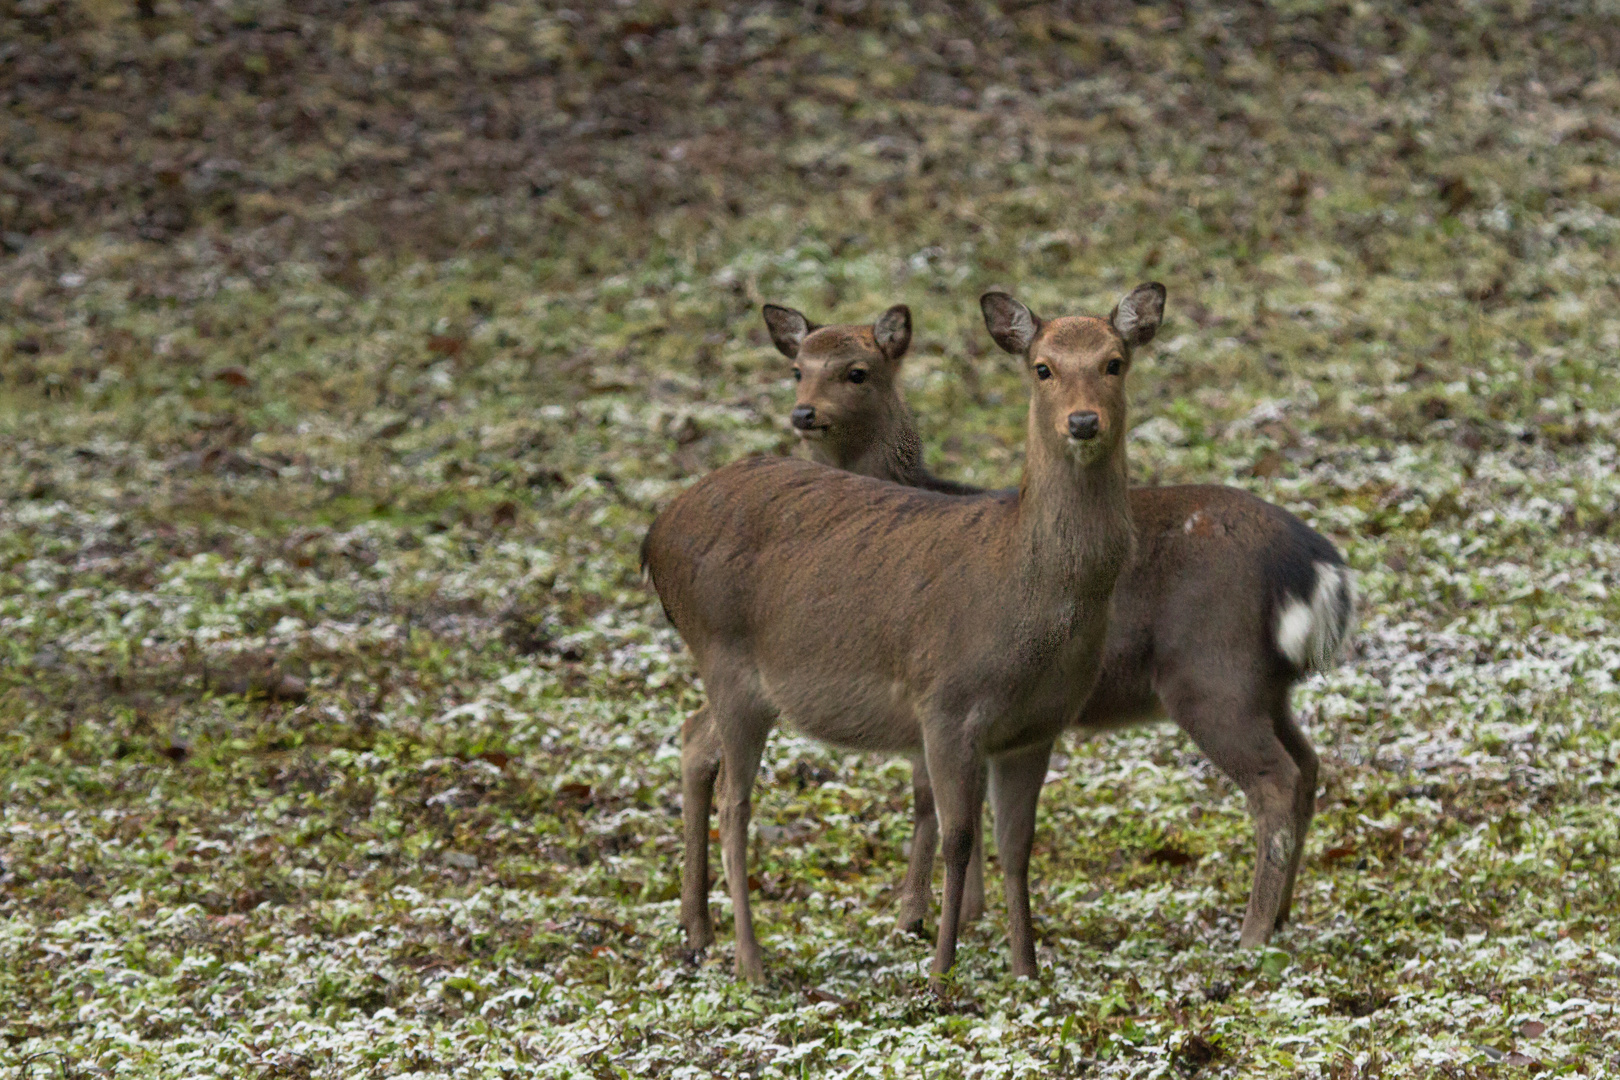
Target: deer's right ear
1012	324
788	329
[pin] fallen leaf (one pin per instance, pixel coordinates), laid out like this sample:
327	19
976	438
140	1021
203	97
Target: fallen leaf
392	428
444	345
1361	1003
1456	193
233	375
1170	855
287	688
1197	1050
1532	1029
687	432
1267	465
1338	854
1600	127
575	792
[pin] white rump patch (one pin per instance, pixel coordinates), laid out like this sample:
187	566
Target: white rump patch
1311	633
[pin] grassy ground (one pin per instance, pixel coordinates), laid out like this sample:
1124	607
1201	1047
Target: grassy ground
347	350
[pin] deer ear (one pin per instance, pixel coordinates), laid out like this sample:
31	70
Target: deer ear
893	331
1137	317
788	329
1012	324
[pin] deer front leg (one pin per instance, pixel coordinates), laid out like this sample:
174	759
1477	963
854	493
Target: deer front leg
743	744
1015	789
956	770
917	890
700	767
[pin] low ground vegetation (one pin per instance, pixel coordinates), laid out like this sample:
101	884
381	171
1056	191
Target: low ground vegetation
346	352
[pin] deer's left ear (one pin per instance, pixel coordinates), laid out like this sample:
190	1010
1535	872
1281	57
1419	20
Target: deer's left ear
893	331
1137	317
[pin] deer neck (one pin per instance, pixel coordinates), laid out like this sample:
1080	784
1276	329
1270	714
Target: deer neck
888	448
1074	519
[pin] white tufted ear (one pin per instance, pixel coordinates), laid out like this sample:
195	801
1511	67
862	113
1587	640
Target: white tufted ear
788	329
1137	317
893	331
1011	324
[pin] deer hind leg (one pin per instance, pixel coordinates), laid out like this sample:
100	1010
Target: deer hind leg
743	724
957	774
1294	740
700	768
1240	738
917	892
1015	789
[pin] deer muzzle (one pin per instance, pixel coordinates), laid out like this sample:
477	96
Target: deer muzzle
1084	425
803	419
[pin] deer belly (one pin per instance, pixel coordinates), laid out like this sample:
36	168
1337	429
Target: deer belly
859	712
1120	703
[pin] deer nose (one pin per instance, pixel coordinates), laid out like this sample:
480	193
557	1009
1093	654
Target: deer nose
1084	425
803	417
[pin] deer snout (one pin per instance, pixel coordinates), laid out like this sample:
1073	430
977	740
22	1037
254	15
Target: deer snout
1084	425
803	417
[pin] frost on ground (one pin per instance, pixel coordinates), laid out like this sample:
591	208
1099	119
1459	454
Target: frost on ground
339	736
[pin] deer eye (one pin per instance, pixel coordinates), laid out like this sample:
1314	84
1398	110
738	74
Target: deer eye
1113	367
857	375
1042	371
797	374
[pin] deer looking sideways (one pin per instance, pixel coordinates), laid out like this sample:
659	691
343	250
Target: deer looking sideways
880	617
1228	602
